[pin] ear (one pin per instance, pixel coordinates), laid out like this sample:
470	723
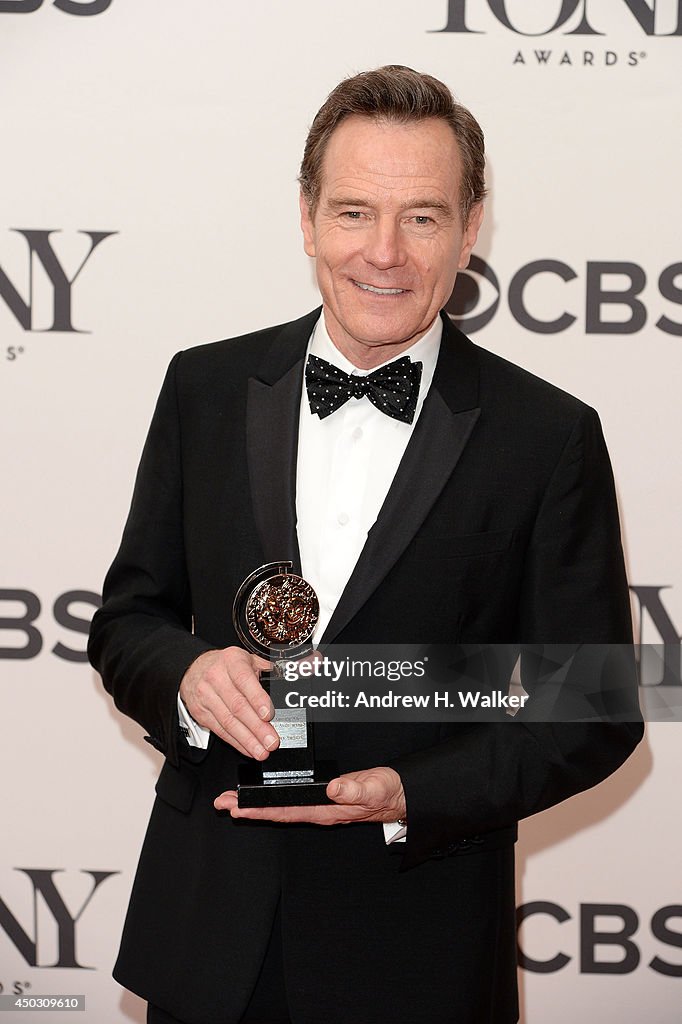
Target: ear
307	226
470	235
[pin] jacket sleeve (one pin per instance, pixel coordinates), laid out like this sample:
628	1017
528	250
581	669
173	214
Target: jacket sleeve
141	638
574	593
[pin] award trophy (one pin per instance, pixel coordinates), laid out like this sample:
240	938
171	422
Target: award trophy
275	613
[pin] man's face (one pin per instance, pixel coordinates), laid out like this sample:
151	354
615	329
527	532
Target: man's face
387	233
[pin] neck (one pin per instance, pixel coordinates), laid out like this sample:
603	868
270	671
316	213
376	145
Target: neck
367	356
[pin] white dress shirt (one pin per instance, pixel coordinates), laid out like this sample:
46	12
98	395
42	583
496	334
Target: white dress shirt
345	465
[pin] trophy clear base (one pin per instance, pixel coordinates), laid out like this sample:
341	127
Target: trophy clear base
257	787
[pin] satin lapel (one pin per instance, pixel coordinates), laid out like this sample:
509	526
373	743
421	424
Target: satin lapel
272	415
447	419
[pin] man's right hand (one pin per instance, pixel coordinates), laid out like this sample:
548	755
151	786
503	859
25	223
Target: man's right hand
222	692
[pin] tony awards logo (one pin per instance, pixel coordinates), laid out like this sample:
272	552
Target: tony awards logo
275	613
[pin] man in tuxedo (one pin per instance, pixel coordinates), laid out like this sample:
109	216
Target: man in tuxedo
430	492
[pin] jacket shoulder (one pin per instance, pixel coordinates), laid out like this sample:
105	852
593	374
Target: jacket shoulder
514	403
525	388
243	355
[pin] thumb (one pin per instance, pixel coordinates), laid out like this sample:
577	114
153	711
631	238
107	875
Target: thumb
345	791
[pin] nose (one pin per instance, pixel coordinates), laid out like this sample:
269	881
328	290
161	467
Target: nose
384	245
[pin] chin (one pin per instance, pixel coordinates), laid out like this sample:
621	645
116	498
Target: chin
378	338
389	329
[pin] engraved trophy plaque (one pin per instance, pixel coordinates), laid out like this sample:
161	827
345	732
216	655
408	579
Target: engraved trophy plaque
275	613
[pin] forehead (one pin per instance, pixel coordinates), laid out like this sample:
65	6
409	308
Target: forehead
377	154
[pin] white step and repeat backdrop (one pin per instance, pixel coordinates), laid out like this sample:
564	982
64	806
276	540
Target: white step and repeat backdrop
149	203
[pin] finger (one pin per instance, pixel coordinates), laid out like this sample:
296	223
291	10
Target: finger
226	801
235	722
241	706
209	711
256	741
322	814
315	815
261	665
242	670
212	723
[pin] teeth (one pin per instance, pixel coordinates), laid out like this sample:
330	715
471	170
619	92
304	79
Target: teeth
380	291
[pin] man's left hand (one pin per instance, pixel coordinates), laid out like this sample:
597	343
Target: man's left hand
372	795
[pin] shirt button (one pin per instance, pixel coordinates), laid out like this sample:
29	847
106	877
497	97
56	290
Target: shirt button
357	434
343	518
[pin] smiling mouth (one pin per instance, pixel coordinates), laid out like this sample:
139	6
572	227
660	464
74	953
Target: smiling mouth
379	291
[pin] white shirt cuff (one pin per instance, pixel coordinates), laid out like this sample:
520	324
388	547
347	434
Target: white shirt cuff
194	733
394	832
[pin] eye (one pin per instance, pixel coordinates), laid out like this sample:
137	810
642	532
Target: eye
422	219
352	214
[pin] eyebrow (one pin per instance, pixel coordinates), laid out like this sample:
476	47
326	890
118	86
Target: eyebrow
418	203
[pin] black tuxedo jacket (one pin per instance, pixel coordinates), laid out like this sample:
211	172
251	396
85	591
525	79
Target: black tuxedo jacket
500	526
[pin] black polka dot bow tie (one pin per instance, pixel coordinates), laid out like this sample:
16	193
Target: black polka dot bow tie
394	388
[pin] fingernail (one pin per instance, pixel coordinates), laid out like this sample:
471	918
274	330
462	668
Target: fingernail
258	751
337	789
264	711
271	741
